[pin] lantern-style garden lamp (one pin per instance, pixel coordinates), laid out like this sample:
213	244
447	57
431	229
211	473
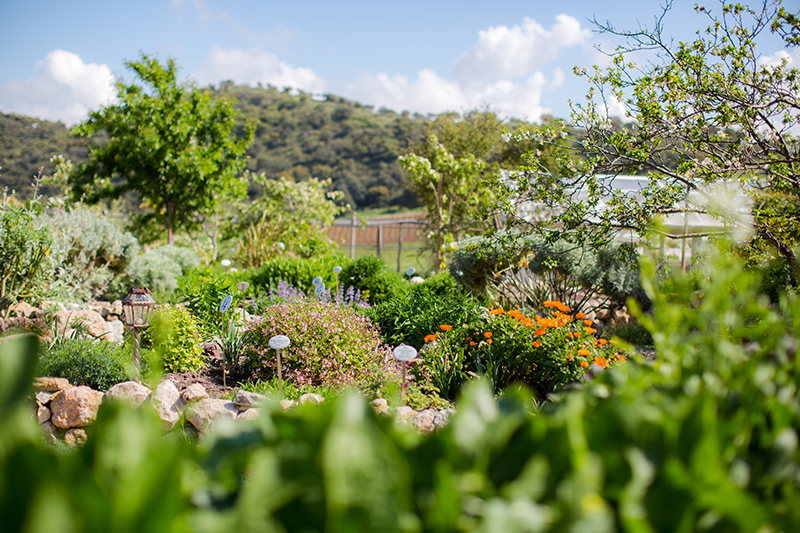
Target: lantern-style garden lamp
136	308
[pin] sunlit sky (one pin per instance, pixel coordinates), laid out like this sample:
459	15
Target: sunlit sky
59	59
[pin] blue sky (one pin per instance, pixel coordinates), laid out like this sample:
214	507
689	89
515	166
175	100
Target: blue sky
58	58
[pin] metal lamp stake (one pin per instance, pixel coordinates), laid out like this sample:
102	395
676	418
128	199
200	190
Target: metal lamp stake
404	354
278	343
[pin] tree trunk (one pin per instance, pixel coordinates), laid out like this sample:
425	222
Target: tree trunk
170	221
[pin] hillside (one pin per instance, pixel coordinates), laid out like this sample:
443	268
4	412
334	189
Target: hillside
296	136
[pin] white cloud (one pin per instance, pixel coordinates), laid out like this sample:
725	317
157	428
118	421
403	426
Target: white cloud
503	52
63	88
254	66
775	60
504	71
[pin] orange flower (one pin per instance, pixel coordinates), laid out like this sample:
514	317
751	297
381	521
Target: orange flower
570	358
551	303
513	313
487	334
621	358
591	330
445	327
584	364
527	322
601	362
539	332
489	341
583	352
580	315
575	334
498	311
430	338
602	342
472	343
588	322
563	308
536	344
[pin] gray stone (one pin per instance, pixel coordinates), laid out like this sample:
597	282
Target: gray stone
443	417
50	384
75	437
75	407
43	414
423	420
23	309
207	412
194	392
403	413
116	307
167	401
244	400
250	414
129	391
380	406
91	320
43	397
287	404
312	398
49	431
114	331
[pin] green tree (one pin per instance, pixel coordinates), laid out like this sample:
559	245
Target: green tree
288	218
170	142
707	115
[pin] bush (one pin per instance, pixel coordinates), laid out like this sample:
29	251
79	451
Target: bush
174	336
158	270
369	275
24	247
299	273
96	364
410	316
544	353
204	291
332	345
527	270
89	253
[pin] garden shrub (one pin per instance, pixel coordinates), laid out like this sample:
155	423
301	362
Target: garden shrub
204	291
299	273
89	253
544	353
527	270
24	247
369	275
408	317
174	336
96	364
332	345
159	270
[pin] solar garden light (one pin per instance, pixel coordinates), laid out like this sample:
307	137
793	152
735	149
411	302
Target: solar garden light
136	309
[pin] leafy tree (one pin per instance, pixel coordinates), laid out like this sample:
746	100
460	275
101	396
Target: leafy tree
288	218
708	115
170	142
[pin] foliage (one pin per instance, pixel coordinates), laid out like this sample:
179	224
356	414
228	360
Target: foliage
288	218
204	291
159	270
410	316
89	251
332	345
369	275
523	269
96	364
24	246
297	272
171	143
174	336
710	118
544	353
703	438
291	391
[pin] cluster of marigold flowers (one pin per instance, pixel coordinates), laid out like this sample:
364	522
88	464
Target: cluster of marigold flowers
559	317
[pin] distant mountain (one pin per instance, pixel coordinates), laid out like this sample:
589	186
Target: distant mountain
296	135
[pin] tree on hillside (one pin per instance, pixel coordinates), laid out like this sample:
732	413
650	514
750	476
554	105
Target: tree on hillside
170	142
707	114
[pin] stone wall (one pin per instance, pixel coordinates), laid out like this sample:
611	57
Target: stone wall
63	411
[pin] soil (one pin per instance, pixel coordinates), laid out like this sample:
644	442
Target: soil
210	377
